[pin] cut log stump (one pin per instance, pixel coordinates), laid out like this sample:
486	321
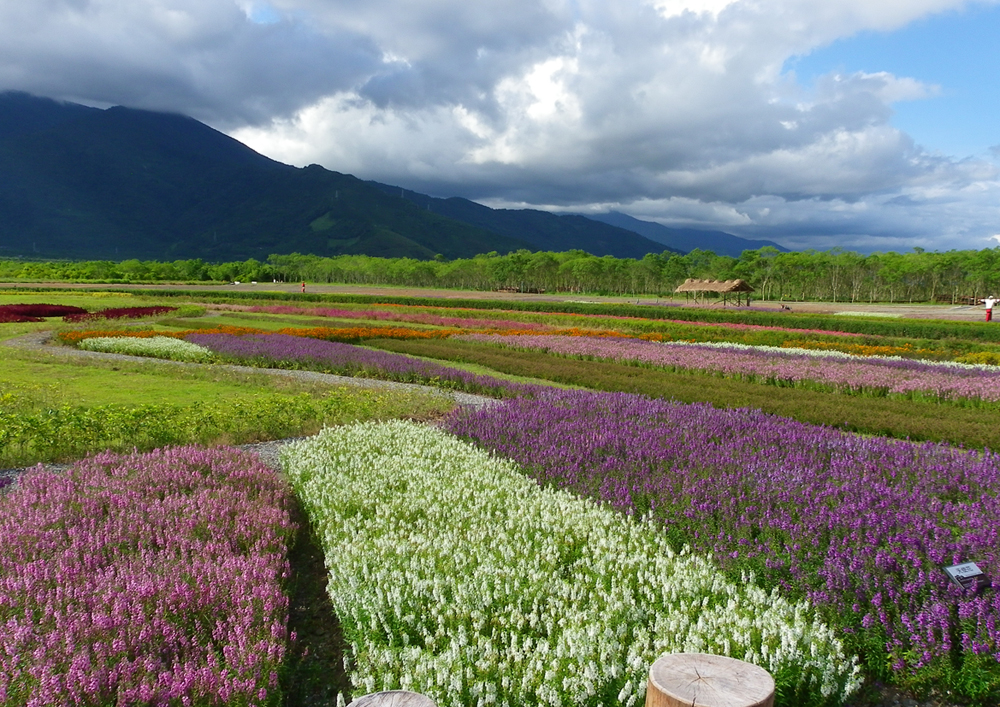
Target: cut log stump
703	680
394	698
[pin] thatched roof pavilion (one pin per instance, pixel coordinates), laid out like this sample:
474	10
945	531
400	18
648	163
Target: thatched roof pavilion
723	287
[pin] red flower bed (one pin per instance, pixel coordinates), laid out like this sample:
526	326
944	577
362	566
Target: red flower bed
118	313
38	310
7	318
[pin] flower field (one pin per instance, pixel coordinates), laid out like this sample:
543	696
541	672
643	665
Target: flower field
545	550
870	375
859	526
456	576
145	579
282	350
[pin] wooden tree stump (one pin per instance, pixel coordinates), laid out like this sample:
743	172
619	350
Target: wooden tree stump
394	698
703	680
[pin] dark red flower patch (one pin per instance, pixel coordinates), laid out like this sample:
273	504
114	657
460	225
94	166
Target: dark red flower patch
6	318
119	313
40	310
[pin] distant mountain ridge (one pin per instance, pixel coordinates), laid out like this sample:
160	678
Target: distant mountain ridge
686	239
79	182
544	230
86	183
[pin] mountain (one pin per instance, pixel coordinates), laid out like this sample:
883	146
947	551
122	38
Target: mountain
79	182
686	239
543	230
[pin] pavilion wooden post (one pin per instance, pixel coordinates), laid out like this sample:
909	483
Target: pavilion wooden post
394	698
704	680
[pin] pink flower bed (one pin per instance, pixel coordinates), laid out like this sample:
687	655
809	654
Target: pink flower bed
144	579
859	374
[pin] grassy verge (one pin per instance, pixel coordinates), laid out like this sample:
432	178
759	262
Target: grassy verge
879	416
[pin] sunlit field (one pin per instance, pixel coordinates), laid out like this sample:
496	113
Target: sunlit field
533	502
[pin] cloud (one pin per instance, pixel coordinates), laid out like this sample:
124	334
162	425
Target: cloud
222	63
680	111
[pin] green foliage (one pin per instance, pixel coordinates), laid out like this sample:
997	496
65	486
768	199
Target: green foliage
29	435
956	277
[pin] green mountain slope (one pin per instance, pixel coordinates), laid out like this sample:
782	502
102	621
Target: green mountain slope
79	182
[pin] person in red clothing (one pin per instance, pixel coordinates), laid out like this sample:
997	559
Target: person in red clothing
989	302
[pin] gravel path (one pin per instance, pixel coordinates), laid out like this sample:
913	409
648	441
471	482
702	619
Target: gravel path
39	341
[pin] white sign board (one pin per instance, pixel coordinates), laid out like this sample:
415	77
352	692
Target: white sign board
968	576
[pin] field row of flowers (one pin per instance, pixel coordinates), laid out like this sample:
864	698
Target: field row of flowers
325	333
880	375
284	351
456	576
120	313
145	579
353	334
383	315
153	346
860	526
69	313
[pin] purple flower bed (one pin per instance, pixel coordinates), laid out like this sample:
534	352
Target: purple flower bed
880	376
861	526
144	579
285	351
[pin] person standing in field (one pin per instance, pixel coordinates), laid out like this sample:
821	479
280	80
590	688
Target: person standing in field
989	302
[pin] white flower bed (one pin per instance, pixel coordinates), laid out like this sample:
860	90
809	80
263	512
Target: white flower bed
155	346
456	576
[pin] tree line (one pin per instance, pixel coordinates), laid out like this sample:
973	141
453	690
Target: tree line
834	275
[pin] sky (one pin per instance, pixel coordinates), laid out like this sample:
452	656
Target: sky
860	124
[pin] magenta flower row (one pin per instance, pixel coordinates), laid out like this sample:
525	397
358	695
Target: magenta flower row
861	526
144	579
896	376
